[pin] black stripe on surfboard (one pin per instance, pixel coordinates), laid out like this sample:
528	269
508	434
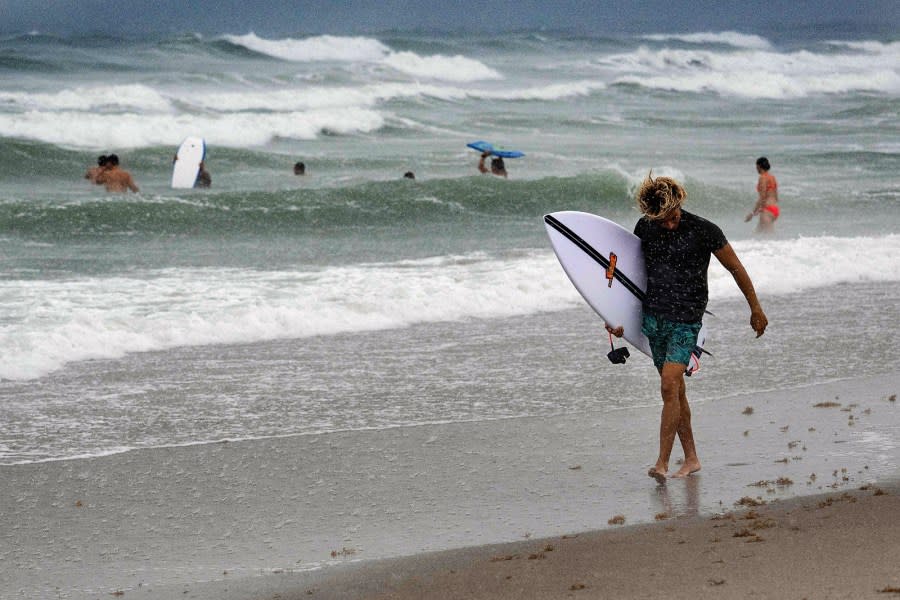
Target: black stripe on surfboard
592	252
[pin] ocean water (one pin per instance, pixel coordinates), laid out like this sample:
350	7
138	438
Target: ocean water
151	319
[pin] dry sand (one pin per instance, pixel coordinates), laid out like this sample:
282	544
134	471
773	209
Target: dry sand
841	545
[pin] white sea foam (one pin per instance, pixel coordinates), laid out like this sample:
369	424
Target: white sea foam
312	49
362	49
106	318
789	266
321	97
547	92
446	68
97	130
730	38
109	317
136	97
77	117
761	73
870	46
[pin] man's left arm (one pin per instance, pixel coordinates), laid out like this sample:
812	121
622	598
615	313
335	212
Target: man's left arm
732	264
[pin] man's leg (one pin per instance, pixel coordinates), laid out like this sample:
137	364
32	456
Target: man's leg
671	389
686	435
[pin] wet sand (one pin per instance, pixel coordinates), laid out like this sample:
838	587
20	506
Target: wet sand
254	519
840	545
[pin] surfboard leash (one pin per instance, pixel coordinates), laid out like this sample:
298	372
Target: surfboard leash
617	356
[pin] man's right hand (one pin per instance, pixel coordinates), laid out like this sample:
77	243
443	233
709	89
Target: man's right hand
758	322
616	331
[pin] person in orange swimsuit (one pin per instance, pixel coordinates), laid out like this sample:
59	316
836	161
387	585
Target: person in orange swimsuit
767	204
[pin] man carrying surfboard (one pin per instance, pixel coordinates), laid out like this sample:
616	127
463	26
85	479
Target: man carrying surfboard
677	246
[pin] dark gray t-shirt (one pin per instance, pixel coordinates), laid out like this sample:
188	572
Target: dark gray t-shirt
677	262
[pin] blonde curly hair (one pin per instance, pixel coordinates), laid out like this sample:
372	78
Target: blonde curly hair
658	197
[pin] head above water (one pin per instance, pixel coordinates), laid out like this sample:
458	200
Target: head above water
409	175
101	160
112	160
497	165
763	163
659	198
299	168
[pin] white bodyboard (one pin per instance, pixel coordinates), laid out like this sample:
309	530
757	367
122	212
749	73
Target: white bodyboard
586	245
187	162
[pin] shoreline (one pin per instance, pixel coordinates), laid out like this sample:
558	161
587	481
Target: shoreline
226	440
560	375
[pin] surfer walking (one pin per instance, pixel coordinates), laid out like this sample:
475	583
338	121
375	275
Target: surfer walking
114	178
677	246
767	204
498	167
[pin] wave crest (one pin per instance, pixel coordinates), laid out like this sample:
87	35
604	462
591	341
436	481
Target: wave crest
446	68
362	49
239	130
90	98
761	74
318	48
729	38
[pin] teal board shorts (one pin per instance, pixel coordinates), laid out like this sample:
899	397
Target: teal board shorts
670	341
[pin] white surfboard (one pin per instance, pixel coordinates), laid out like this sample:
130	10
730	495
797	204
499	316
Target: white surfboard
606	265
187	162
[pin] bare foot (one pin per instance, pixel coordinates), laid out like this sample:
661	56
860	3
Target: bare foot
688	468
659	476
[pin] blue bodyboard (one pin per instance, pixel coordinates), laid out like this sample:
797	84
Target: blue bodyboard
482	146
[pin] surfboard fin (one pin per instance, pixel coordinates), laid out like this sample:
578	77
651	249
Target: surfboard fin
694	363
